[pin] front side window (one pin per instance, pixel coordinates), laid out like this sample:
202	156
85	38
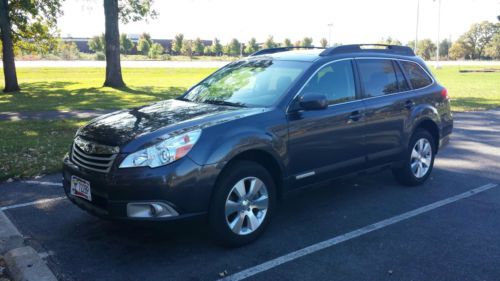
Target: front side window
335	81
378	77
248	83
417	76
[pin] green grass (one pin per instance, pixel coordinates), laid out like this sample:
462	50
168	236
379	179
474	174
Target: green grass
30	148
470	91
81	88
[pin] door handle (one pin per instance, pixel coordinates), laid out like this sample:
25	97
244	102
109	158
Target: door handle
409	104
354	116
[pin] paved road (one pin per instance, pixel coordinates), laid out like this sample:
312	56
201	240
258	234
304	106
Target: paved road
194	63
456	241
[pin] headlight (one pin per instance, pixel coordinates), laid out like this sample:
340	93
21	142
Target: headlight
164	152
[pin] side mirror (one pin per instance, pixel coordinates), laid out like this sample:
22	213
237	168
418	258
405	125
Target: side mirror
313	101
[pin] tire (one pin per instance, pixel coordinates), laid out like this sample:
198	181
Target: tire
417	166
233	203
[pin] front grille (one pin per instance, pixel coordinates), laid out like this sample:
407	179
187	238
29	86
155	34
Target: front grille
99	162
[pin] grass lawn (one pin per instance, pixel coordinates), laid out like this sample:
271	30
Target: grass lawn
29	148
81	88
470	91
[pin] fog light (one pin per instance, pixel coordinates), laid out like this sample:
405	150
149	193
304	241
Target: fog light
150	210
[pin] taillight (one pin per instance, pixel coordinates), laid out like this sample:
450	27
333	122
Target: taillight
444	94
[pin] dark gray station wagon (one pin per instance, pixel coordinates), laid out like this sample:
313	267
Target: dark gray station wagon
257	128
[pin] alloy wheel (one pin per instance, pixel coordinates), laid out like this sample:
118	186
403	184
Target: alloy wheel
246	205
421	158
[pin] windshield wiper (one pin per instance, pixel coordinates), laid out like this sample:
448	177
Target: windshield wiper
223	102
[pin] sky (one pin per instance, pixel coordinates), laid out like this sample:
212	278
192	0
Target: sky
354	21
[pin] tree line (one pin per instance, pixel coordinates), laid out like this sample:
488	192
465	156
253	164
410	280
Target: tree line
32	26
181	46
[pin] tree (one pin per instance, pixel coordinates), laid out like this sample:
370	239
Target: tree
251	46
297	43
307	42
97	43
207	51
216	47
233	48
444	48
156	50
126	11
67	50
146	36
198	47
143	46
269	43
323	42
460	50
426	49
493	48
187	48
177	44
30	25
287	43
126	45
478	37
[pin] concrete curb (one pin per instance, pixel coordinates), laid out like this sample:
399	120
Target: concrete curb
10	237
23	262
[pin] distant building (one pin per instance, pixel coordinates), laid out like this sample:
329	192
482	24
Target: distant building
83	43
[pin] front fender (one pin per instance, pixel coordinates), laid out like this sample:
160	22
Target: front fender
265	132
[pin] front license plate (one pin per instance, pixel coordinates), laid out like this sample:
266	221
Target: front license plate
80	188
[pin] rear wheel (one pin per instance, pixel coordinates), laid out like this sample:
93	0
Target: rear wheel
242	203
418	160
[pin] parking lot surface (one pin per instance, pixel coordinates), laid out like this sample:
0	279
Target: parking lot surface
457	240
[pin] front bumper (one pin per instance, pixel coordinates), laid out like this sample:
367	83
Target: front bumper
182	185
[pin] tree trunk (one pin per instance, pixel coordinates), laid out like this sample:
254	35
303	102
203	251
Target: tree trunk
112	37
9	66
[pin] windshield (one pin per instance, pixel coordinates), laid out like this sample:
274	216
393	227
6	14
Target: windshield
248	83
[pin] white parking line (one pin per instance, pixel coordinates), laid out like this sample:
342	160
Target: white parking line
37	202
351	235
44	183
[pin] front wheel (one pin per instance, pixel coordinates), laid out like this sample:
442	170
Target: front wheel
418	161
242	203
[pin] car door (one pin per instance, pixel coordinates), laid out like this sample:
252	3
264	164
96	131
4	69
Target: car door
382	84
324	143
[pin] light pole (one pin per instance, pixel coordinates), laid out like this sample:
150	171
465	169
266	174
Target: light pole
416	29
438	33
330	26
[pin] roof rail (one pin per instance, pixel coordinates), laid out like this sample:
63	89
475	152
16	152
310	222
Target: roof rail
375	48
280	49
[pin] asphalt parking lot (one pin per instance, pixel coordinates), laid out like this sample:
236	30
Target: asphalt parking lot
344	230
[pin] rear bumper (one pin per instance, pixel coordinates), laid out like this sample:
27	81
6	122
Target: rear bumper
183	186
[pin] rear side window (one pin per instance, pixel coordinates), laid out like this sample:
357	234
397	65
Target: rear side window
335	81
378	77
417	76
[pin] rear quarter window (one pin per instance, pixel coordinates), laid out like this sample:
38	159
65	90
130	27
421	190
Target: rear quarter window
378	77
417	76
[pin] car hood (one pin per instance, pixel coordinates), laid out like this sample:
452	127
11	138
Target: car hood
158	119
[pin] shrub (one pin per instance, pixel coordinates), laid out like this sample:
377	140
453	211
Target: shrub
100	56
